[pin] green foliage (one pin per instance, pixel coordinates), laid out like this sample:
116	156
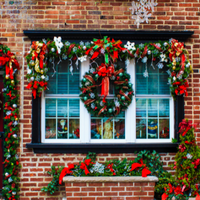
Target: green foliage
187	159
120	167
11	126
53	185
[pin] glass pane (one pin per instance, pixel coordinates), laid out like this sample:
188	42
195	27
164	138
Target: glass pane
50	108
152	128
50	128
164	108
74	83
141	128
64	81
152	108
141	107
65	122
106	128
62	108
62	128
96	131
164	128
74	132
74	108
152	118
155	83
63	66
119	128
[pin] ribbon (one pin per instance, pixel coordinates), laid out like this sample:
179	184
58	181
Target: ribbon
145	170
182	65
3	60
156	46
29	85
70	48
66	170
122	93
111	47
144	52
182	89
105	72
34	93
198	197
89	101
85	164
104	108
41	56
110	166
90	79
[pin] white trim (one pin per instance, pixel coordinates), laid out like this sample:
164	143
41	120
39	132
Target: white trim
130	116
84	115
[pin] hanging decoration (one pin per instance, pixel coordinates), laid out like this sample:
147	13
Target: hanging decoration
141	10
170	53
101	77
11	120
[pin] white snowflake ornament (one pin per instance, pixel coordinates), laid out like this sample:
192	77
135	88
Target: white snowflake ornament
189	156
160	65
146	74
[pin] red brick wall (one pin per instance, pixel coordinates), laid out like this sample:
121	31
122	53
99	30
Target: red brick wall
110	191
87	15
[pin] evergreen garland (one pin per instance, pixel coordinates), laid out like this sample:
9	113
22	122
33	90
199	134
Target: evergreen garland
11	126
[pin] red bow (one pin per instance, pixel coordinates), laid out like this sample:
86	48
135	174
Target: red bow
145	170
84	166
105	72
182	88
110	166
66	170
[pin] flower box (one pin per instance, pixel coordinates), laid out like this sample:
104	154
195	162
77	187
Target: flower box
110	187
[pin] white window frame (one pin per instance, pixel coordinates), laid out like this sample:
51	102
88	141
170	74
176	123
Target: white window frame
130	116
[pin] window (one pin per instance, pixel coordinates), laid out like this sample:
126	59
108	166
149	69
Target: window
132	142
154	104
148	119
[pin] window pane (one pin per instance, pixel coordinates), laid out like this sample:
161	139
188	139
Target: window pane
155	83
62	110
107	128
50	129
62	118
64	81
50	108
152	118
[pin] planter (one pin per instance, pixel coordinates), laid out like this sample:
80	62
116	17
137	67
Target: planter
110	188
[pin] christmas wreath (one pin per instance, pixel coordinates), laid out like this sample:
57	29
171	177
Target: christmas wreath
99	105
11	123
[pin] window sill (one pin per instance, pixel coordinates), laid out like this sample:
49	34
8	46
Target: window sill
101	148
